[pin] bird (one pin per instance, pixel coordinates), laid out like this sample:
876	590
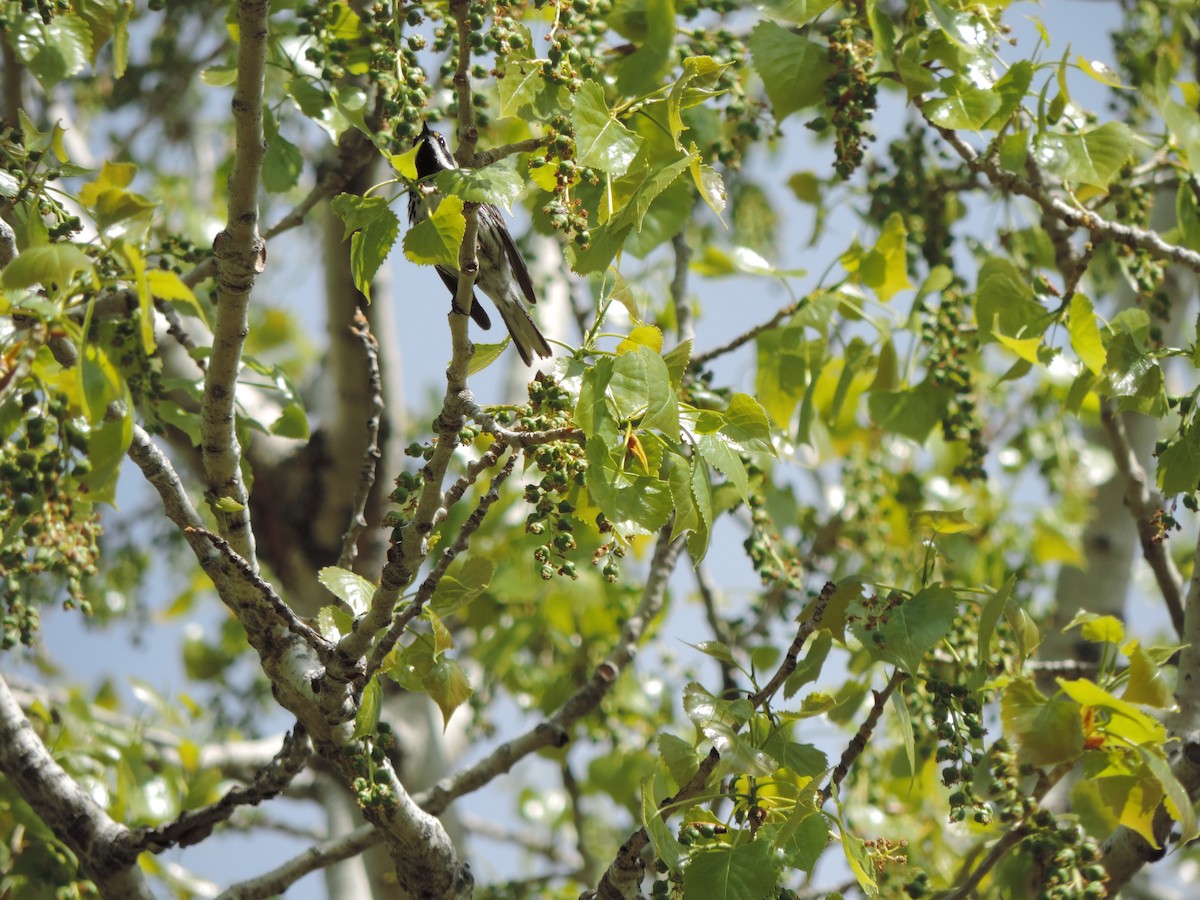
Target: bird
503	275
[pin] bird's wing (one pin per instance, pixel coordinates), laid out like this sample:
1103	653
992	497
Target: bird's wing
494	219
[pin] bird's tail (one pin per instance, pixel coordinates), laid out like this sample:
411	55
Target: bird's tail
524	330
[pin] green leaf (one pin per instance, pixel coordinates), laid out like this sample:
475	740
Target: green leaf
793	68
640	389
1011	89
1179	464
884	268
665	845
916	625
721	456
1099	629
50	264
370	246
715	649
1179	804
1126	720
639	71
357	212
601	141
291	423
1046	732
802	839
366	722
485	355
1134	377
437	239
632	502
1085	334
109	201
725	872
797	11
283	162
803	759
491	184
649	187
353	590
746	425
53	51
709	184
965	106
1092	157
1004	300
961	27
679	757
698	72
912	412
1146	683
989	616
469	581
702	493
525	93
719	720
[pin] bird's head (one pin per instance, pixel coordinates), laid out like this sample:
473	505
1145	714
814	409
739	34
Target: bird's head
433	155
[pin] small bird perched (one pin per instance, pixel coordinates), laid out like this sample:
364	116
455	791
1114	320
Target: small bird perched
502	275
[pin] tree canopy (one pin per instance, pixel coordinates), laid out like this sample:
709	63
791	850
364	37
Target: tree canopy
929	499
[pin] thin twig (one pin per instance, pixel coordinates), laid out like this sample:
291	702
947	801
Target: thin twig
370	462
811	623
294	624
685	329
1145	505
719	627
623	877
240	252
451	553
487	157
729	346
555	731
1100	228
862	737
195	825
315	858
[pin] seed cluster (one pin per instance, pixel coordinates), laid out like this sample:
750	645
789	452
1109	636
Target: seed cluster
958	725
563	466
1067	859
949	347
850	93
367	757
915	182
50	534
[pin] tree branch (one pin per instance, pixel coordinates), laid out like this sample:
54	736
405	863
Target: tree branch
370	462
241	255
105	850
193	826
747	336
451	553
861	737
1101	229
685	329
1145	505
317	857
556	730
